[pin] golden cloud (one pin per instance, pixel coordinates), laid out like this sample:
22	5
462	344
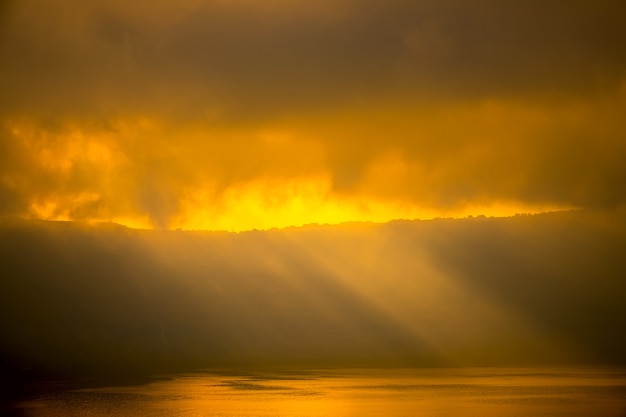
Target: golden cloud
241	115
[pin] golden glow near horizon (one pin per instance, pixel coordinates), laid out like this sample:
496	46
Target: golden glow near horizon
239	115
261	205
264	179
267	206
262	202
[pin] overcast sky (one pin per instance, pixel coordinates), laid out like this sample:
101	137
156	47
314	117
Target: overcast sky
251	114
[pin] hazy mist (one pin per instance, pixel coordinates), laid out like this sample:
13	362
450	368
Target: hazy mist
104	300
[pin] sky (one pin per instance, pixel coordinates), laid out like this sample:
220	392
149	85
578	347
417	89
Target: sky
243	114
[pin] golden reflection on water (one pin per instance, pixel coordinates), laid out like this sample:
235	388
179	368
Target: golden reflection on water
346	393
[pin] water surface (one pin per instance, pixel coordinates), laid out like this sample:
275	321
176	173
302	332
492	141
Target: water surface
316	393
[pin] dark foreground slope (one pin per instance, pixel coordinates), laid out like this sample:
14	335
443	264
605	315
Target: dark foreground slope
110	302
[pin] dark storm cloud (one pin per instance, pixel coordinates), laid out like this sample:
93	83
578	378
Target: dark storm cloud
280	55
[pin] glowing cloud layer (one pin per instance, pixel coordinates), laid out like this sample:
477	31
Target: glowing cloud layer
240	114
